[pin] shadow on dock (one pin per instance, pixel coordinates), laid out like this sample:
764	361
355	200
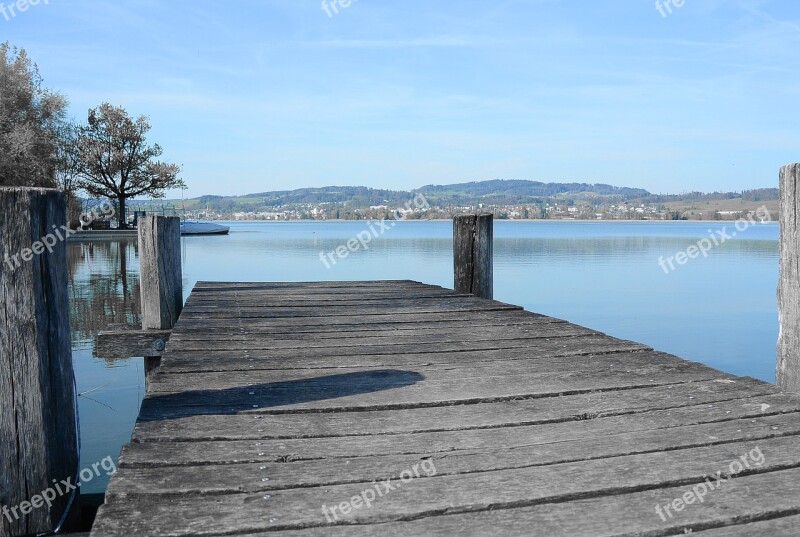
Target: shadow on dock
274	394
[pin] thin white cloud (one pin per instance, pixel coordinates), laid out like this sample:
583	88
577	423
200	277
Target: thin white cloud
767	17
437	41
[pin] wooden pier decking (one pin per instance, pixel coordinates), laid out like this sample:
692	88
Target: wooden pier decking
276	399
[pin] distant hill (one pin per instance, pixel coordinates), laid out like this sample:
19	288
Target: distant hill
507	192
358	196
497	191
350	201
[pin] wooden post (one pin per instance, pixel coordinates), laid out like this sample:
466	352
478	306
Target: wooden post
788	367
473	254
38	430
160	275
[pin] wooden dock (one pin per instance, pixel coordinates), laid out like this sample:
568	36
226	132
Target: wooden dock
385	408
280	406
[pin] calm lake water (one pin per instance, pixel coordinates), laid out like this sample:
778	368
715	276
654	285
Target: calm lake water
719	310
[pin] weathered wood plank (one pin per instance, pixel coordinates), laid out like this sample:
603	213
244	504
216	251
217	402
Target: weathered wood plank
535	330
395	388
425	330
785	526
638	363
121	344
370	398
436	321
154	426
742	500
305	287
350	298
349	311
343	304
561	488
557	349
213	284
311	462
248	477
609	437
412	343
38	431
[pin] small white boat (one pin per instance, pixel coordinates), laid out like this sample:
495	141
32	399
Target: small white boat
189	227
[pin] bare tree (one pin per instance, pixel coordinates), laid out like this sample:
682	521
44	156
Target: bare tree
68	168
116	161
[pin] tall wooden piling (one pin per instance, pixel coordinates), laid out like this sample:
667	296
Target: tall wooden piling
160	275
788	366
160	271
473	254
38	424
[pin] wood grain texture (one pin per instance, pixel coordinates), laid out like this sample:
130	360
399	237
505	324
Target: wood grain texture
160	271
122	344
783	526
788	363
558	442
37	395
276	399
584	496
153	427
473	254
229	360
236	477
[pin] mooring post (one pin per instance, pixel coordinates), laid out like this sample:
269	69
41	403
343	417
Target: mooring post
160	276
787	372
38	423
473	254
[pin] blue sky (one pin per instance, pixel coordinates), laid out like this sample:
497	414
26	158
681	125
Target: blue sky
256	95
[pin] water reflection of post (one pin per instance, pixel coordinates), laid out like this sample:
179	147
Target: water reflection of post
123	271
183	256
102	292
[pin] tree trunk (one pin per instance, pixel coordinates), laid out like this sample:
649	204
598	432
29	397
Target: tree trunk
123	223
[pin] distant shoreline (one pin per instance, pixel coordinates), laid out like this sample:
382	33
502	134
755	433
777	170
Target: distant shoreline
504	220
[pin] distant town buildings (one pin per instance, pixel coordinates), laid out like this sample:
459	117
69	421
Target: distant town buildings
547	211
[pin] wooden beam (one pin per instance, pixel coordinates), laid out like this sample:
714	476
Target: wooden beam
122	344
38	430
788	363
473	251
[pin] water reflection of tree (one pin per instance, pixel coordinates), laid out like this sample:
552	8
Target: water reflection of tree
103	286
